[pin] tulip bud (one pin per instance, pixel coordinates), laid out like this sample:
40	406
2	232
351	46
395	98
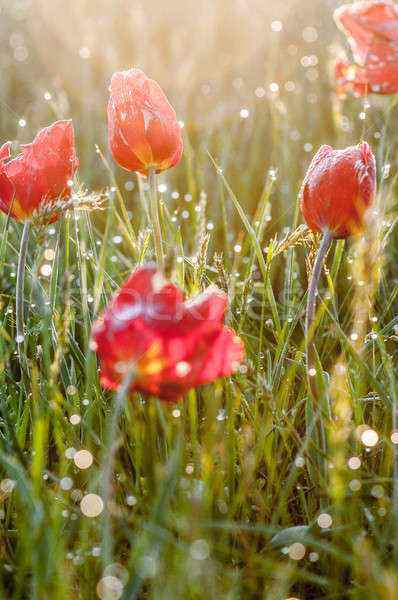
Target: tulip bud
338	188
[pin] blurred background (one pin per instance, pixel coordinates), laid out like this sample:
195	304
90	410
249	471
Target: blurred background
223	65
252	82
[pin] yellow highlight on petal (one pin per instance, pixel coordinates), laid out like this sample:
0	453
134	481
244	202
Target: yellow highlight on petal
151	361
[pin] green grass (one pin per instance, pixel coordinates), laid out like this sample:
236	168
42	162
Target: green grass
208	496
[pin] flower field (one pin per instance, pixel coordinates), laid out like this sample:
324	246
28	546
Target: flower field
198	300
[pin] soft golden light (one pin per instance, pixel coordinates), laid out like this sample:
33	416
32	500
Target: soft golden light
117	570
354	463
109	588
369	438
324	521
70	452
66	483
49	254
91	505
46	270
297	551
183	368
355	485
83	459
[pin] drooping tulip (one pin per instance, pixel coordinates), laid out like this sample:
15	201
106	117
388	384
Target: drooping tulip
372	30
173	344
40	175
143	129
338	188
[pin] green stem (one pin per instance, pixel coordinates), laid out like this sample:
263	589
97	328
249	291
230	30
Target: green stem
109	459
20	300
317	420
143	199
310	313
155	217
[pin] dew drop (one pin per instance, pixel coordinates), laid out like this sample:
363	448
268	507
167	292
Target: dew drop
91	505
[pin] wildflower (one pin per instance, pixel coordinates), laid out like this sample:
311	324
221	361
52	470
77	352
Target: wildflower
173	344
338	188
40	175
372	30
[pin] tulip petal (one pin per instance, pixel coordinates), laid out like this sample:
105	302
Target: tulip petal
175	345
225	353
338	188
372	30
142	126
40	173
5	152
6	192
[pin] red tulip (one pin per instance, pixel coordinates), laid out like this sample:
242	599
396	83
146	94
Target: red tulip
351	76
338	188
40	174
174	344
142	126
372	28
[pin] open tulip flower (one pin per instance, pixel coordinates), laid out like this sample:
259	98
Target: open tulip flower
40	175
143	128
172	344
372	30
338	188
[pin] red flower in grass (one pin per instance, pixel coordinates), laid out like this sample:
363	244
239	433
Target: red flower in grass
40	175
142	126
372	28
174	344
338	188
